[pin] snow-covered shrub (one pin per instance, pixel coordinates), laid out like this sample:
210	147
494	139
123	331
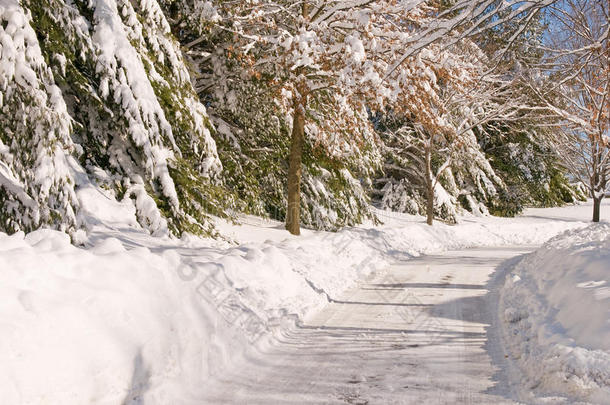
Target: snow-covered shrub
529	167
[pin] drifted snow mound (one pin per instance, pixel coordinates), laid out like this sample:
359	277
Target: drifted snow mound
555	308
104	325
134	319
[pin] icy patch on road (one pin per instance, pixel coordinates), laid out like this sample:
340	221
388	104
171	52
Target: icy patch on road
556	311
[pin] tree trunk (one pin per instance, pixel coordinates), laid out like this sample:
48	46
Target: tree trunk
597	202
598	184
293	211
429	188
430	207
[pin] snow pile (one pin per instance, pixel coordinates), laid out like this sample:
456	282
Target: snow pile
133	318
113	325
97	326
556	311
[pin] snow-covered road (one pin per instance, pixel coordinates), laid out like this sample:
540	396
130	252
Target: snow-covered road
423	331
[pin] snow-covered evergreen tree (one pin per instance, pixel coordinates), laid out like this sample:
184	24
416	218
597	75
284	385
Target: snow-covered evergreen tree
110	82
36	185
529	167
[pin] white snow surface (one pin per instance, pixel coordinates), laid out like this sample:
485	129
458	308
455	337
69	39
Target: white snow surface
556	311
126	317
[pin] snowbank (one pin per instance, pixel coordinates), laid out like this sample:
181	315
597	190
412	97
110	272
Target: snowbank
129	317
556	312
132	318
149	318
97	326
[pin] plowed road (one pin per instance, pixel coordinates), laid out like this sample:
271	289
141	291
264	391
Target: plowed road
424	331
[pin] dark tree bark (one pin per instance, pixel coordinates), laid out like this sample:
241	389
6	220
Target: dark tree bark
295	161
429	187
293	210
597	202
598	182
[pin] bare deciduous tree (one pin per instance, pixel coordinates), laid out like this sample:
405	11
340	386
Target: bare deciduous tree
577	91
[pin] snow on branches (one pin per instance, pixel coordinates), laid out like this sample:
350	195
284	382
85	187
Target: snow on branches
577	92
136	116
36	184
332	56
327	62
115	77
